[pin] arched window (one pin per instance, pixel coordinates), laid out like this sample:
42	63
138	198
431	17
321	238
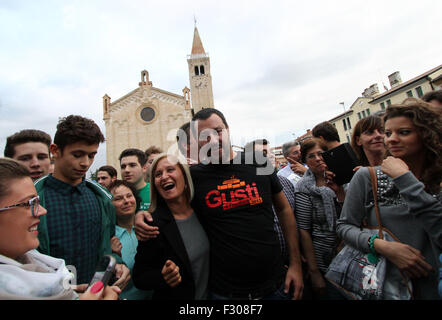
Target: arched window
202	69
197	71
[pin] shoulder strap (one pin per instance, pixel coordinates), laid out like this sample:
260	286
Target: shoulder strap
374	186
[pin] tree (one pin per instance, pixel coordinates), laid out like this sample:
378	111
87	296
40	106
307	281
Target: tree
93	175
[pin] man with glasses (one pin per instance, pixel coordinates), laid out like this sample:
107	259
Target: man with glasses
294	170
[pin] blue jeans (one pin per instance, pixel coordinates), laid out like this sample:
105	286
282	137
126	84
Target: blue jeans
276	295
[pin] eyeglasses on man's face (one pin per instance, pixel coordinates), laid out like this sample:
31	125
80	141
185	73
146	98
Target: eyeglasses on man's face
33	204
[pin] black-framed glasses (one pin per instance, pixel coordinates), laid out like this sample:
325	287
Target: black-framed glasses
33	204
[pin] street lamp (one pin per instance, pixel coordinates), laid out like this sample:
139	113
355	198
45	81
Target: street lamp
343	105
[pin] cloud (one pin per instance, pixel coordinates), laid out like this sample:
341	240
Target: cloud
278	68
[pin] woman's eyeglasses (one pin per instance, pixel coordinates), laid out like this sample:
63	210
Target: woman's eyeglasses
33	204
314	155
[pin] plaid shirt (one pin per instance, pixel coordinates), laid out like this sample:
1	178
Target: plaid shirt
74	225
289	192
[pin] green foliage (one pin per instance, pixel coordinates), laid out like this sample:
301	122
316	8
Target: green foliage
93	175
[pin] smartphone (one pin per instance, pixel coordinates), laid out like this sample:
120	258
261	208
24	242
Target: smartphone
341	161
104	271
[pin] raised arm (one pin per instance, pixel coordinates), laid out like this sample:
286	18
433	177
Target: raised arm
423	206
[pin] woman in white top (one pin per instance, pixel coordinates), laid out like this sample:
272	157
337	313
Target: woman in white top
24	272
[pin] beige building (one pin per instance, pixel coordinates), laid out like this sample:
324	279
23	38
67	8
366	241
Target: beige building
372	101
279	157
415	87
149	116
345	122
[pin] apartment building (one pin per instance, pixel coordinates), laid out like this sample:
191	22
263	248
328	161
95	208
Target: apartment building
372	101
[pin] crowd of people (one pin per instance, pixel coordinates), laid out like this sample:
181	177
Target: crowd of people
211	223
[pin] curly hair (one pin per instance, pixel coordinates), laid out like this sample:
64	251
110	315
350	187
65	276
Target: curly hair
74	129
428	124
433	95
369	123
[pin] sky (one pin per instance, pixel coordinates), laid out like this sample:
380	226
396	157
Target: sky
278	67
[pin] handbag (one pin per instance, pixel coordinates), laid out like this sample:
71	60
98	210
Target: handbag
362	276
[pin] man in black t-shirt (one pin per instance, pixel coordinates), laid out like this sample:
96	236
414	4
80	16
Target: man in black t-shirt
233	200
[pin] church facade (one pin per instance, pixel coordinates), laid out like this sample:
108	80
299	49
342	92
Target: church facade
149	116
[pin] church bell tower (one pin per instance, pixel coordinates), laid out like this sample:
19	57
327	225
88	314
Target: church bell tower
199	75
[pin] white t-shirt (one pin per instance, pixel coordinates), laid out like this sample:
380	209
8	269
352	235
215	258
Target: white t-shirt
288	173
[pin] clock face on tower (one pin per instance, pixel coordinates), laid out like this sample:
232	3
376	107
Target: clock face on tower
201	83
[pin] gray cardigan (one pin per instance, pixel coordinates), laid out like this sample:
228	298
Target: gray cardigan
412	214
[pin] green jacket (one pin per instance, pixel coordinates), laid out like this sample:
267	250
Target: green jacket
108	219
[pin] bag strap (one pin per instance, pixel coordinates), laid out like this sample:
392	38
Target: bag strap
374	186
